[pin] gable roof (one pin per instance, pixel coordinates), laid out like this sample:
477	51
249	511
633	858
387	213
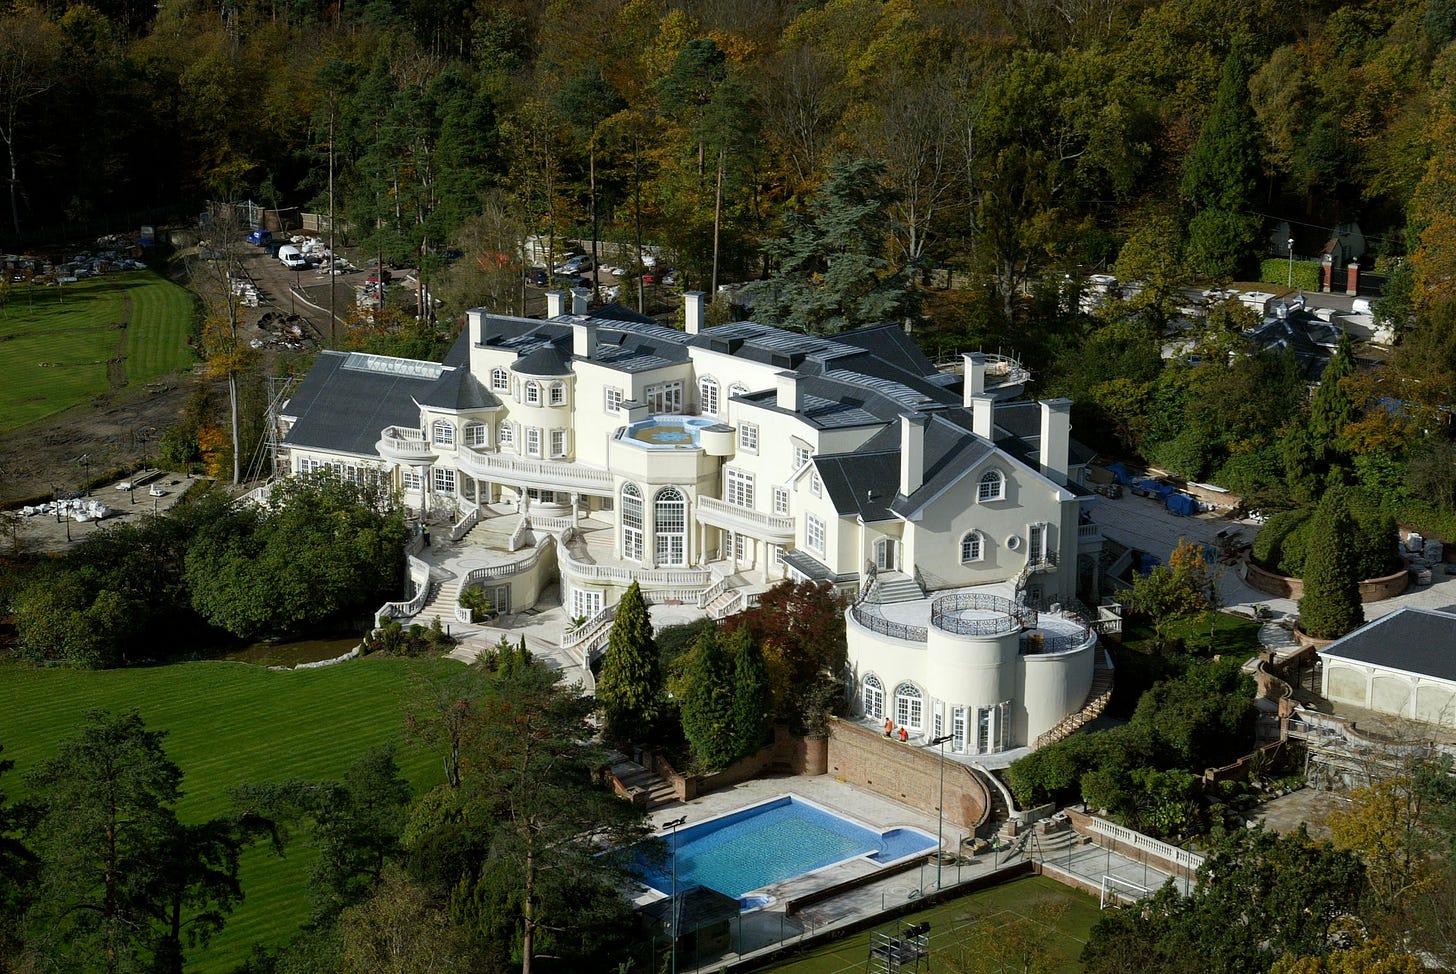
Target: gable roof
861	483
348	397
1413	640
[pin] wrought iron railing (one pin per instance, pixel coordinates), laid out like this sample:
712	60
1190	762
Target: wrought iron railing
1009	616
887	627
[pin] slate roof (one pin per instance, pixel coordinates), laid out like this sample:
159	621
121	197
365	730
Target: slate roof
951	450
1414	640
347	398
861	483
546	360
1311	340
458	389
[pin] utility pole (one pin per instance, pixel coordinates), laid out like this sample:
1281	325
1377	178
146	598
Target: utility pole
673	922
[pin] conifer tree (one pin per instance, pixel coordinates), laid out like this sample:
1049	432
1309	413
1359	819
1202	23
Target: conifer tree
630	686
1331	603
752	698
707	703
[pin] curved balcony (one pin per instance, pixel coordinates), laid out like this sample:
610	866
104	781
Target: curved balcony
508	468
974	614
405	445
745	520
623	573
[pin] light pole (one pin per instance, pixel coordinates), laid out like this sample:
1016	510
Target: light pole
1291	262
673	826
940	808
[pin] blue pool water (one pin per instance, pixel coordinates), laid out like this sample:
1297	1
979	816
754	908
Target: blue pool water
769	843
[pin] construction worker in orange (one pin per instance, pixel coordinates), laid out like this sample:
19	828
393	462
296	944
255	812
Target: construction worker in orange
889	727
904	736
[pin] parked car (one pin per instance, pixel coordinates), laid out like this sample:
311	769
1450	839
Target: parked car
537	276
574	264
382	275
260	238
651	277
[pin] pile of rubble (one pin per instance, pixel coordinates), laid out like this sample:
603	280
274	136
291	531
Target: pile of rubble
244	288
283	331
76	508
316	251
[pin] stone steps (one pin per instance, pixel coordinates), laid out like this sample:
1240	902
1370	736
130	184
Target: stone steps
896	587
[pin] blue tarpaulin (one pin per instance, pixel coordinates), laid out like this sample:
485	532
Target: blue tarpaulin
1181	504
1146	563
1120	473
1152	488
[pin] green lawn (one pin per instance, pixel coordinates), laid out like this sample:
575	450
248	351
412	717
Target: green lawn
1064	916
230	723
1232	635
58	341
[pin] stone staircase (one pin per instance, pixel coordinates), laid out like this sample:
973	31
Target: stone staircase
444	596
1097	699
639	782
895	587
719	606
491	533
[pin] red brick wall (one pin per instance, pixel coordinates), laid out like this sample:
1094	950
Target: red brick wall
906	773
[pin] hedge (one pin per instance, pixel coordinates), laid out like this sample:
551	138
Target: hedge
1275	270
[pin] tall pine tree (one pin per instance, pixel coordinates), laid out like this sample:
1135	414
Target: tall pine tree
1331	603
630	686
707	703
752	698
1218	177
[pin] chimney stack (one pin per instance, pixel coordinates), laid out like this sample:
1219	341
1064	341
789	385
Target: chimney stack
983	410
555	304
1056	435
975	375
583	338
477	324
912	452
790	392
580	300
692	312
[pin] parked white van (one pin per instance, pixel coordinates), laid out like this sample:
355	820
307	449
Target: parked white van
292	257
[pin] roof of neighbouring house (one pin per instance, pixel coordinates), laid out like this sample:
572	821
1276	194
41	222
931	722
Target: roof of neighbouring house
1413	640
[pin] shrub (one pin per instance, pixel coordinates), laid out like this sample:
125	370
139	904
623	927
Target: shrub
1275	270
1274	548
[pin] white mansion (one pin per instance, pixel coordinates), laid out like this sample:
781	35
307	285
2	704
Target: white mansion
591	450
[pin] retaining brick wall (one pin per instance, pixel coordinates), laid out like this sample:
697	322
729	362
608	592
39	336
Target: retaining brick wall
1283	586
906	773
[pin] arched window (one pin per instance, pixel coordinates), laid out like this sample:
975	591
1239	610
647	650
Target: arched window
708	396
993	486
443	433
737	389
631	522
909	706
507	436
670	527
874	697
500	380
558	393
972	546
533	393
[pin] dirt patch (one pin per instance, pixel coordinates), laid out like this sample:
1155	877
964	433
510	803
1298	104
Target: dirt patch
1307	807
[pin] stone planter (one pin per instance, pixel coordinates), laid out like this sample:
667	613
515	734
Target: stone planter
1284	586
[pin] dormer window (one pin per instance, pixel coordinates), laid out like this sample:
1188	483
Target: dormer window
992	486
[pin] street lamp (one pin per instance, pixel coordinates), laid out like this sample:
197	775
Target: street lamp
673	826
1291	262
940	808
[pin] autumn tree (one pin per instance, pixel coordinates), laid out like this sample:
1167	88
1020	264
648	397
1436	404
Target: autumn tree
401	928
630	687
800	627
442	712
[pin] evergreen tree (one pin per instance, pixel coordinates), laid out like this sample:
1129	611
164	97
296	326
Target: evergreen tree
630	687
830	274
752	698
1331	604
1218	177
707	703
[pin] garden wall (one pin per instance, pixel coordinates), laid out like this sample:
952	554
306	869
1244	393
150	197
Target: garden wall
787	753
1283	586
906	773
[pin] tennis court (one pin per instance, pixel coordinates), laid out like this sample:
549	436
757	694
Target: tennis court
1008	924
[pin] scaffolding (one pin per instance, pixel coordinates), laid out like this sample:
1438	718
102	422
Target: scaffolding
891	953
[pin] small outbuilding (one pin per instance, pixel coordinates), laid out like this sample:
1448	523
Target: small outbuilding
1403	664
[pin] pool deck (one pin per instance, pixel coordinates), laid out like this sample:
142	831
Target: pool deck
764	930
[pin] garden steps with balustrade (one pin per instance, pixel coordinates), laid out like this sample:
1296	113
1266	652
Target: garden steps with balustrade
1098	696
896	587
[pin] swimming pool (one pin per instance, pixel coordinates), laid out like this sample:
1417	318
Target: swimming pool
770	842
666	432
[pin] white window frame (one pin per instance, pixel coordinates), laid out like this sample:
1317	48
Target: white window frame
991	487
872	697
665	398
814	534
533	441
816	486
558	443
612	399
669	547
477	435
802	455
500	380
632	517
442	433
781	501
410	480
585	603
507	436
737	389
738	487
973	547
557	395
533	392
748	437
910	707
708	396
443	480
